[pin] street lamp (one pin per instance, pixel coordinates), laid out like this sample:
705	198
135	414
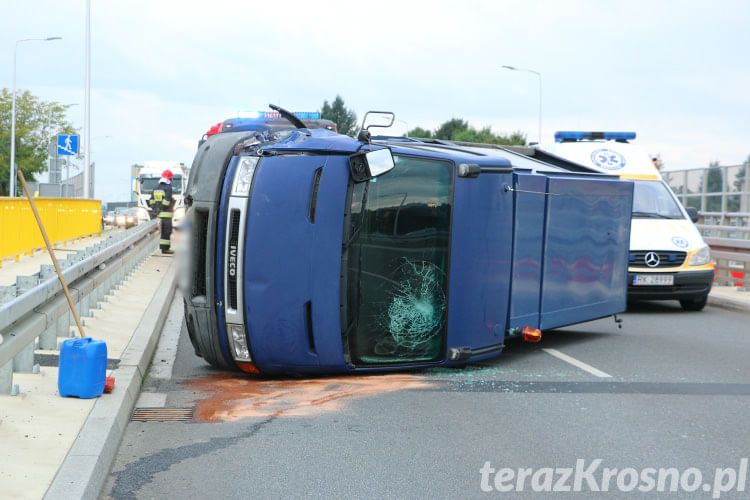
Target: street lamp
406	134
513	68
12	185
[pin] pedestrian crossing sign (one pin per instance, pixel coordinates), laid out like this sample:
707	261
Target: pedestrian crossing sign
67	145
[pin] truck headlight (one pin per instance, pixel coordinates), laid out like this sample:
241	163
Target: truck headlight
243	178
238	340
701	257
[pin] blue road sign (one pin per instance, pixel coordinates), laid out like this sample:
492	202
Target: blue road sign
67	145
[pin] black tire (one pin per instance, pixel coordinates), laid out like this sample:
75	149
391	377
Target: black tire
694	304
206	346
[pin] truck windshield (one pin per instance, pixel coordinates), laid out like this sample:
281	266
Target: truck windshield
652	199
395	262
148	184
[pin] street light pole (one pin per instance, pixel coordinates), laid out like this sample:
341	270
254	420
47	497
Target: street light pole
87	107
12	184
538	74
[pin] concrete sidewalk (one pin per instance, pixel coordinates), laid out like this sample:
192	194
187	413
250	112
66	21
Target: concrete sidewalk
57	447
730	297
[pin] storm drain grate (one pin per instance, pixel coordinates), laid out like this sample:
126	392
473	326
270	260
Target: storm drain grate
162	415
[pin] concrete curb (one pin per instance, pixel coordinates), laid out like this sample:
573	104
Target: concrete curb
729	303
85	468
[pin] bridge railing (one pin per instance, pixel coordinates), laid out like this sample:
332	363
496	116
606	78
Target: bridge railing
730	248
63	219
34	311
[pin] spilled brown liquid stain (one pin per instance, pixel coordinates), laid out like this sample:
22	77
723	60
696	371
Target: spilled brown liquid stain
231	397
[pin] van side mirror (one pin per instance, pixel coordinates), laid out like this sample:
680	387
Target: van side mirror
365	166
692	213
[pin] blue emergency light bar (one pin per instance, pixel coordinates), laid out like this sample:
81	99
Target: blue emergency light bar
259	115
569	136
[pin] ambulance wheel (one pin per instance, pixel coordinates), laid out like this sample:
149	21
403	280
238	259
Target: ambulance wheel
694	304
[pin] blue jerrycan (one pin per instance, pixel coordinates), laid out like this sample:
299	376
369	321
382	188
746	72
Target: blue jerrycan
83	368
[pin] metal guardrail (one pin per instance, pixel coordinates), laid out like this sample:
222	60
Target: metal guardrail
35	306
730	249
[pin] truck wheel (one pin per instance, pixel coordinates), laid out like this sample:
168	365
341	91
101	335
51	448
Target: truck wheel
205	345
694	304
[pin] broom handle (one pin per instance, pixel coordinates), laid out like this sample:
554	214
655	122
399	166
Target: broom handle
51	253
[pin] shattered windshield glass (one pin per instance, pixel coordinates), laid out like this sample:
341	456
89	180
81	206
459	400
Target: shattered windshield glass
396	260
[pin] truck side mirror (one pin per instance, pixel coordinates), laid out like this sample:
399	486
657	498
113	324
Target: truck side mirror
692	213
365	166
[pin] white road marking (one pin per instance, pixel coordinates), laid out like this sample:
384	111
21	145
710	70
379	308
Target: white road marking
578	364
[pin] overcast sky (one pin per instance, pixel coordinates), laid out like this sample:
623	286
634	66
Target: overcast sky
162	72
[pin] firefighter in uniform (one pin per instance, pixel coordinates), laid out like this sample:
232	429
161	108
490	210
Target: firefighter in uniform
162	204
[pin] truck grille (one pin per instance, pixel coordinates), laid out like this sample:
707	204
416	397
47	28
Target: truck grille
666	258
199	231
234	232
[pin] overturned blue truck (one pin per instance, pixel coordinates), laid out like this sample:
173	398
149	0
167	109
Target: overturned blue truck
312	252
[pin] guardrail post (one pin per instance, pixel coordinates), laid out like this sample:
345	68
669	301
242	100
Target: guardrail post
24	360
46	271
26	283
6	378
62	327
75	295
7	293
84	306
48	339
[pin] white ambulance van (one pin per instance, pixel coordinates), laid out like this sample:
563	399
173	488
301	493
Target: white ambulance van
668	257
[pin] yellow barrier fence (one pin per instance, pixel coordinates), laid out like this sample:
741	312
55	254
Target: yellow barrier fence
63	218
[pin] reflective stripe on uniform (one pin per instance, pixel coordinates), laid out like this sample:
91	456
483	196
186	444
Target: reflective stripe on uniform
165	203
165	215
165	242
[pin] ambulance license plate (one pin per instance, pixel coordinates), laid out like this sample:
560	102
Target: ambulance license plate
654	279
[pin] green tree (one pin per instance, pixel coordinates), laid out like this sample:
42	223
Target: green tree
345	119
450	129
419	132
713	178
457	129
36	122
735	201
739	178
713	185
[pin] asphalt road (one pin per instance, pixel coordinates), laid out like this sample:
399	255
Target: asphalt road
671	389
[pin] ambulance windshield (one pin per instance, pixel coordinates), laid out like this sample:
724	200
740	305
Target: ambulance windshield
652	200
